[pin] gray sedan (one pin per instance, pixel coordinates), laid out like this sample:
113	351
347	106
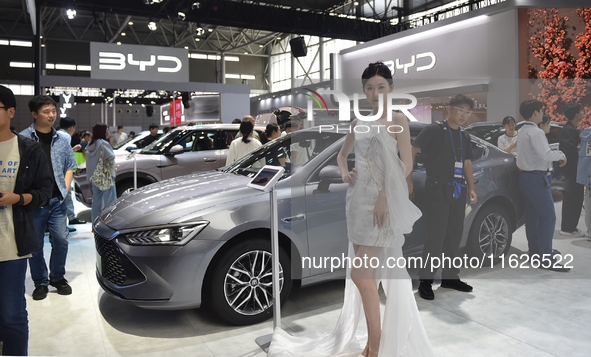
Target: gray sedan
204	238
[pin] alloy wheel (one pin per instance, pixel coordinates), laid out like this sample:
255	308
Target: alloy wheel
248	286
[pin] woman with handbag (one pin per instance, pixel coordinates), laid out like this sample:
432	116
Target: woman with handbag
100	170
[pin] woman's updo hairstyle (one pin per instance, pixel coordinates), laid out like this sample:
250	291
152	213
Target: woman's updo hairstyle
376	68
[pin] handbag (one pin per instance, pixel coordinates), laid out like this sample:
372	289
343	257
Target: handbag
102	178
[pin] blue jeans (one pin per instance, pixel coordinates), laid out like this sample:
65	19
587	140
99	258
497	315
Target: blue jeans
52	216
14	325
101	199
540	217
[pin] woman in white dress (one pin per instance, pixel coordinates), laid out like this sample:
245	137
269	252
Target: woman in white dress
379	213
508	141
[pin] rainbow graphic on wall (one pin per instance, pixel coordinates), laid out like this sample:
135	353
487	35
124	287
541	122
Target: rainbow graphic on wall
316	97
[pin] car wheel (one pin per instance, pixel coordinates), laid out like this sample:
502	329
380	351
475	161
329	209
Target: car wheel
241	289
490	234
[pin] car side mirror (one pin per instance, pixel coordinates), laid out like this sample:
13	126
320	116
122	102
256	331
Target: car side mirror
328	175
131	148
175	150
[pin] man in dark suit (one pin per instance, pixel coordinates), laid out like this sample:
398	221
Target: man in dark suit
570	139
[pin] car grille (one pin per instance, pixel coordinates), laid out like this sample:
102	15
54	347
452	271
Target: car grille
116	267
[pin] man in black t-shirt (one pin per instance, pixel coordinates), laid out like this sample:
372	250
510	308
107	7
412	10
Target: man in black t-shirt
145	142
447	157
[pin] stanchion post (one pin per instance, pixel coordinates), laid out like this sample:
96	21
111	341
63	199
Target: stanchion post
275	261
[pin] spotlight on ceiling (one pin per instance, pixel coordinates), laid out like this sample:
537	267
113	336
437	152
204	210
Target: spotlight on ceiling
199	30
181	16
150	2
71	14
152	26
196	6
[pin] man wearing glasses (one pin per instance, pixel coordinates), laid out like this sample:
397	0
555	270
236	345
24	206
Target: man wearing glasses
533	158
56	145
447	157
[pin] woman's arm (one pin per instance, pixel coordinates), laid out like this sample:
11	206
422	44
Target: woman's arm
348	177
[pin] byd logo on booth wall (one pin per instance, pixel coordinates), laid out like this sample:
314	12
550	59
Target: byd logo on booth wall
345	108
426	65
118	61
138	63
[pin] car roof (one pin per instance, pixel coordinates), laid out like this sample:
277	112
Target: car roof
498	123
214	126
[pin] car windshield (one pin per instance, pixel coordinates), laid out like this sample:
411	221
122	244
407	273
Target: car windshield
290	151
124	142
165	141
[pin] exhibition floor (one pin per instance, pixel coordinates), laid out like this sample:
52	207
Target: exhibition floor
512	312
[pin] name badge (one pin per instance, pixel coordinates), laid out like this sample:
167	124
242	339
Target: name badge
459	170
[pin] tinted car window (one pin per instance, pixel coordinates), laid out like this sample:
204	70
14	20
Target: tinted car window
290	151
198	140
164	142
225	139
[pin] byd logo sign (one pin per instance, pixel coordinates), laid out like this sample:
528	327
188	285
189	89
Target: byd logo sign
115	61
144	63
345	105
422	61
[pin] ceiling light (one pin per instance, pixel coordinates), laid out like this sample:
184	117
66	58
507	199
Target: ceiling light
195	6
118	43
130	23
71	13
186	47
261	46
181	16
199	30
152	26
151	2
356	3
197	39
210	30
245	53
123	34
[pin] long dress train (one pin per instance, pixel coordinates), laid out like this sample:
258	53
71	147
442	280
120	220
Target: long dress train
378	167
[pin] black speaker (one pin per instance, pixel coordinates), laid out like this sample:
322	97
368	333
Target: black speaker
186	98
149	110
298	47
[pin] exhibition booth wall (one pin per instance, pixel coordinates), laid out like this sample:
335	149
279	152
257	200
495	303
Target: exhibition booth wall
499	55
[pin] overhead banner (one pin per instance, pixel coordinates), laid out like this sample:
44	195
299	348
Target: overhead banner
133	62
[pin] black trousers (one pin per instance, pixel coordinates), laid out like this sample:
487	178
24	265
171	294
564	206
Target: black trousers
572	203
445	226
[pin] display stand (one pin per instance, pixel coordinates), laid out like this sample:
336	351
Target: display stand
265	180
129	157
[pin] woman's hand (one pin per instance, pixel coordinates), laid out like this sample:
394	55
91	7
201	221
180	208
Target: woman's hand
350	177
380	211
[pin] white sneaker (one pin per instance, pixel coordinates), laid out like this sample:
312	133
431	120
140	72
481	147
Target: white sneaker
575	234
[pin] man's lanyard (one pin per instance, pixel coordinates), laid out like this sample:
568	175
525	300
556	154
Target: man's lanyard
453	147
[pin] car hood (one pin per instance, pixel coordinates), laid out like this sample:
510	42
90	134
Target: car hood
170	200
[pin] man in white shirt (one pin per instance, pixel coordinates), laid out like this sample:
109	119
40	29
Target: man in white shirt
533	156
119	136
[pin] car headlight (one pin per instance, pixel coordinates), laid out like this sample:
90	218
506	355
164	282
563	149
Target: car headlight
165	235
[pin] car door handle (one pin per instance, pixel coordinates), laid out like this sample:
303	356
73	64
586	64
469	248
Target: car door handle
299	217
165	165
210	160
